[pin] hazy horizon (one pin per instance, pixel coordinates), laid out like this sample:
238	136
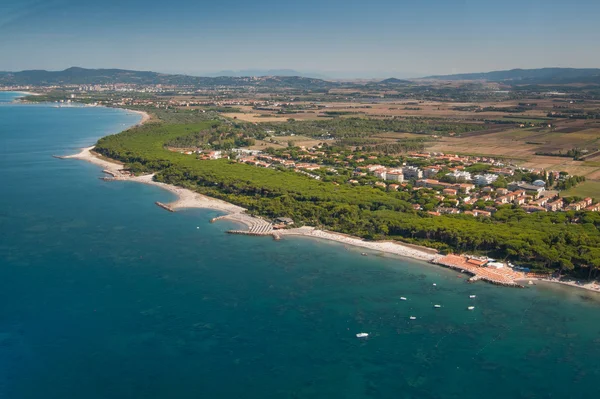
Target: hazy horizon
335	39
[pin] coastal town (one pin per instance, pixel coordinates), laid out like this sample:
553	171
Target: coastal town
439	183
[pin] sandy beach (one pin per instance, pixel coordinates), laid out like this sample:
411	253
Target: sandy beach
257	226
388	247
29	93
145	116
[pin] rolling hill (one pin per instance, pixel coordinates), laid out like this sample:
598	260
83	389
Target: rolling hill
79	76
531	76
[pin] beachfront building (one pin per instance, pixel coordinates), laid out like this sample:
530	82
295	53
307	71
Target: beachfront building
485	180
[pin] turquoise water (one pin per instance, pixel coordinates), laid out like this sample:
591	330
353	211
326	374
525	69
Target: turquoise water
105	295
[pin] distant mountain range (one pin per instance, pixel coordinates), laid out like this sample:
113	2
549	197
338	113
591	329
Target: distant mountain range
82	76
281	78
531	76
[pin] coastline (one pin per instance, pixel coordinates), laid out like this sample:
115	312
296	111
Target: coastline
187	198
190	199
145	116
588	286
28	93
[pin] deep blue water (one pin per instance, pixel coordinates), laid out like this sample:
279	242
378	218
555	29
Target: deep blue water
105	295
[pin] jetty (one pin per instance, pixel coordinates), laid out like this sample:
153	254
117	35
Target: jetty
164	206
479	269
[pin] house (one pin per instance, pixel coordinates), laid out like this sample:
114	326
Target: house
540	202
555	205
380	173
505	199
502	191
430	171
464	187
579	205
593	208
449	191
478	212
380	184
519	200
394	187
449	211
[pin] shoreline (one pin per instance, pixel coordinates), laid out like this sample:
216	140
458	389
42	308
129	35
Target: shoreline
256	226
28	93
145	116
589	286
190	199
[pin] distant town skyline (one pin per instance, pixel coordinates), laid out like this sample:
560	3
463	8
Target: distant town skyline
335	39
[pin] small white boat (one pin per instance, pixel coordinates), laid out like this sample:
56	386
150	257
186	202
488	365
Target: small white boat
402	298
364	254
437	306
472	296
434	284
362	335
413	318
471	307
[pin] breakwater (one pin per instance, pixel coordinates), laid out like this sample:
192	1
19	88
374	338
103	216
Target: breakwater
164	206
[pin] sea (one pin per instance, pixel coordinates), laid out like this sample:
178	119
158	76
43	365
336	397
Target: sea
105	295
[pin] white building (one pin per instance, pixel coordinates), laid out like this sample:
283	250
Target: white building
395	176
484	180
412	172
460	175
380	173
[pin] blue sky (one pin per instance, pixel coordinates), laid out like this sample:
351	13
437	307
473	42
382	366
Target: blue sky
361	38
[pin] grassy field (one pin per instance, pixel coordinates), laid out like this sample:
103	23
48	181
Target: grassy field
586	189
